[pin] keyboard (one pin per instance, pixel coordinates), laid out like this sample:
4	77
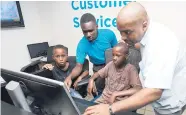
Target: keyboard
83	104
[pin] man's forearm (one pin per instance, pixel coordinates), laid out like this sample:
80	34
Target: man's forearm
84	74
129	92
140	99
76	71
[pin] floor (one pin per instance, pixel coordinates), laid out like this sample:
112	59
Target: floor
148	110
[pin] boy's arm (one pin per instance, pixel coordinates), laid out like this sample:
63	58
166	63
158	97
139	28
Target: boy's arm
101	73
134	82
94	76
119	94
91	83
128	92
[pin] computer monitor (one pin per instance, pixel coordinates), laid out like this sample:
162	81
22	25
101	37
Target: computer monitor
51	94
38	49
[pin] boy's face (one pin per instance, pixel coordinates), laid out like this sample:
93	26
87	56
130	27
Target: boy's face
60	57
118	56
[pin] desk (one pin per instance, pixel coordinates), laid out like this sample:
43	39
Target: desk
7	109
82	108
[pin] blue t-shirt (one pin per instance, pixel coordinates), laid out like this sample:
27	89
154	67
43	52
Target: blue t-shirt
96	50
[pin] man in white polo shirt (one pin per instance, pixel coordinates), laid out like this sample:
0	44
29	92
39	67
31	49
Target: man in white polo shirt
162	69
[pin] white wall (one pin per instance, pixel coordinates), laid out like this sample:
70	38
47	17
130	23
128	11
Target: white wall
14	53
64	30
53	22
172	14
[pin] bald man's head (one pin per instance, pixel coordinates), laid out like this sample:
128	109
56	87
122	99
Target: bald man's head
132	22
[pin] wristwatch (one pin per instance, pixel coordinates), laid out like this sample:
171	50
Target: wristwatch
110	110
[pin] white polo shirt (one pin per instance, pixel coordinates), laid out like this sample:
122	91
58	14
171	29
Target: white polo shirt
163	66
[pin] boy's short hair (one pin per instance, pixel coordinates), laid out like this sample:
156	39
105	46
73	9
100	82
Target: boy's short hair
124	46
60	47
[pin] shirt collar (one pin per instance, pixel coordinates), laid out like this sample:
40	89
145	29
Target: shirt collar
145	37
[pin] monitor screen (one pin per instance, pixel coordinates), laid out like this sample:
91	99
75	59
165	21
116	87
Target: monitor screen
38	49
50	95
11	15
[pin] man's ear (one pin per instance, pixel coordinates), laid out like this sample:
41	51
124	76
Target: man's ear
145	24
137	45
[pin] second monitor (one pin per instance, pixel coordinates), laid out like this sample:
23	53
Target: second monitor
38	49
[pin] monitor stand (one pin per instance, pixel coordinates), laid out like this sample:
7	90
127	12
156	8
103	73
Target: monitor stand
16	94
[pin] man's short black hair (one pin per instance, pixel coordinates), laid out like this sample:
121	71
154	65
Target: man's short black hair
87	17
60	47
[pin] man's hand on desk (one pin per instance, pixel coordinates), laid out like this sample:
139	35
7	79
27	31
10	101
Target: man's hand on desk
101	109
68	82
